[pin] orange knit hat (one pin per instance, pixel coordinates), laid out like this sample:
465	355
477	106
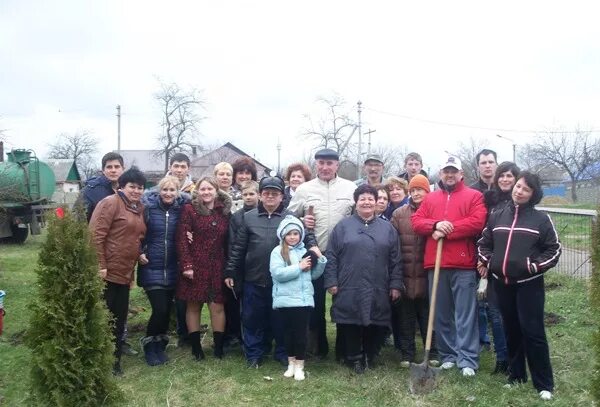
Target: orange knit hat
419	181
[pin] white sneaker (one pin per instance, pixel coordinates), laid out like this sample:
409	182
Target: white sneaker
467	372
448	365
405	364
545	395
299	371
434	363
291	368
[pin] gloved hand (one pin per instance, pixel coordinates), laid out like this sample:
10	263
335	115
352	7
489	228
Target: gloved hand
482	289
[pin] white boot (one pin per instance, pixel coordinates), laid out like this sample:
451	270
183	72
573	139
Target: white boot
291	367
299	372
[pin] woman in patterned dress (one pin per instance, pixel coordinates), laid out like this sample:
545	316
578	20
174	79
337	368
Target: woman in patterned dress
202	259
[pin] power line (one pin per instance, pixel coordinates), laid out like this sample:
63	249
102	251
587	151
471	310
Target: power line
466	126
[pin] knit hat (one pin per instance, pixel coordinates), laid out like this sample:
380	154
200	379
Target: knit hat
419	181
288	224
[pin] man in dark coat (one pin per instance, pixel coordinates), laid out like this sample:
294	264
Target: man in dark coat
250	255
99	187
233	324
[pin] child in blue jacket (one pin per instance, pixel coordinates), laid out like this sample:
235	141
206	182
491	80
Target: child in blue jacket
292	271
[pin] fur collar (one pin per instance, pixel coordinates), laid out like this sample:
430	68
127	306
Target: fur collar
222	203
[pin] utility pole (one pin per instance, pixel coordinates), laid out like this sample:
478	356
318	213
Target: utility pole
119	128
369	144
278	156
358	166
514	146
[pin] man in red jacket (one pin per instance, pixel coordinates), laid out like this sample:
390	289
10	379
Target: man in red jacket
457	214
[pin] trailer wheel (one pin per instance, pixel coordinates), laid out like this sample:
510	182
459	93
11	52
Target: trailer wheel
19	235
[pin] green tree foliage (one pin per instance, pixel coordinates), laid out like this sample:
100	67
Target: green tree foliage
69	333
595	303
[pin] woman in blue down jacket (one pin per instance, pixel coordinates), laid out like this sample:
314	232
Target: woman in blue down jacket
158	271
518	245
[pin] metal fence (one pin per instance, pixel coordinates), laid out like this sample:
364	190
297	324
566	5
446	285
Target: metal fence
574	227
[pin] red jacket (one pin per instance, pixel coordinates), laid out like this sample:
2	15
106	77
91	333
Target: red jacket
463	207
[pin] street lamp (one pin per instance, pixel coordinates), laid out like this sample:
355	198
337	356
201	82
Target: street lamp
514	145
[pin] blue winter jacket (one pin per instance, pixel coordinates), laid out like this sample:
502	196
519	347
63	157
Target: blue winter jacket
96	189
293	287
159	243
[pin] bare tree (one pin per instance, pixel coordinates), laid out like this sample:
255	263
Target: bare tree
467	152
180	119
334	129
80	147
574	152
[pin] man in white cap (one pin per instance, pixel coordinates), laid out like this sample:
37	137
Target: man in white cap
331	199
373	169
457	214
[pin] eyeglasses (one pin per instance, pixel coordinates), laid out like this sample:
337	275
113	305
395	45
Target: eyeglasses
270	193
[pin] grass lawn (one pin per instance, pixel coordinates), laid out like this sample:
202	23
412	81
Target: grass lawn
183	382
574	231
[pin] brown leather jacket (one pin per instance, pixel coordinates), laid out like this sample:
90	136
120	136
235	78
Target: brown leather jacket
413	251
117	228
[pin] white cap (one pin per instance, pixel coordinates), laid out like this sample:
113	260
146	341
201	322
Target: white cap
453	162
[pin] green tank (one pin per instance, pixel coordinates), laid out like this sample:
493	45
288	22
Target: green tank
25	179
26	187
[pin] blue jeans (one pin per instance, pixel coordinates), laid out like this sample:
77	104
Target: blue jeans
489	311
261	324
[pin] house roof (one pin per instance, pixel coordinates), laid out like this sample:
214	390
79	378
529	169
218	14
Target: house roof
64	170
145	160
152	161
237	150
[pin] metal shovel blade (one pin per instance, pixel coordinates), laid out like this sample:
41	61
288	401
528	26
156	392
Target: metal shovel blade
422	378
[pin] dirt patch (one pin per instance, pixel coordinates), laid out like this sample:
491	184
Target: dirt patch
550	319
139	327
136	310
555	200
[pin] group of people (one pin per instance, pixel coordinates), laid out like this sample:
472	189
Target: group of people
263	254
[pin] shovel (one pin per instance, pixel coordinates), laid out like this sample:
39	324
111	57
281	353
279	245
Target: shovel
423	376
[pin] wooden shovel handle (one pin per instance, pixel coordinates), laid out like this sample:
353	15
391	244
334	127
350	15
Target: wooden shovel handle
436	277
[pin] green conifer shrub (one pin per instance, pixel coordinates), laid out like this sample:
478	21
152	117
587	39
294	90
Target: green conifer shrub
595	304
69	332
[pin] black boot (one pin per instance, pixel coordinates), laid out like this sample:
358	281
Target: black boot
149	347
161	346
218	340
356	363
117	371
501	367
196	345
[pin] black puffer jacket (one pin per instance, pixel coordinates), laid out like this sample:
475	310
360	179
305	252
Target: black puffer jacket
252	248
519	243
95	190
250	255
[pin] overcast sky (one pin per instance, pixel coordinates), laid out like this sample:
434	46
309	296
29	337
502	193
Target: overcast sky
494	66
